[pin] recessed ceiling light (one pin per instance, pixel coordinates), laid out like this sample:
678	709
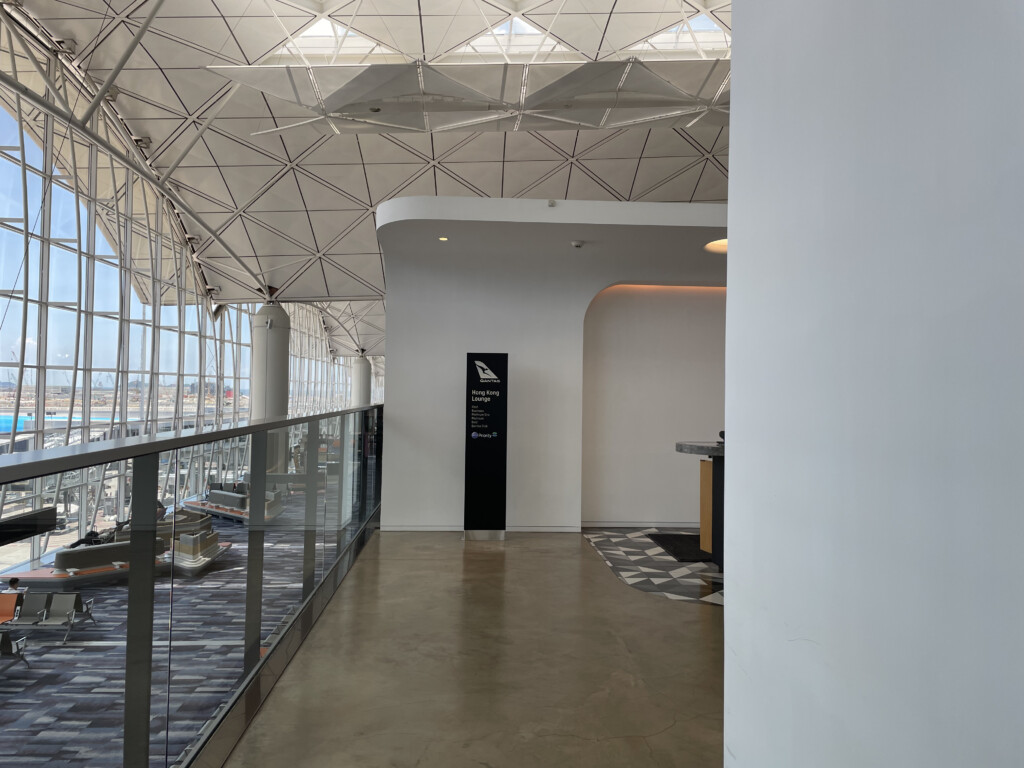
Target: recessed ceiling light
717	246
443	239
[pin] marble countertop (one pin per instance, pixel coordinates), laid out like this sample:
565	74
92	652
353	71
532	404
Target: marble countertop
702	448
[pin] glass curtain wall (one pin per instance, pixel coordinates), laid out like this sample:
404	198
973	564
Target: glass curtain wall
105	327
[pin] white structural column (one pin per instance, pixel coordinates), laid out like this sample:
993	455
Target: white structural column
271	330
361	379
874	389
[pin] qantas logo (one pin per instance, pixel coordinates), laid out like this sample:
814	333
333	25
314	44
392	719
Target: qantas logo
486	374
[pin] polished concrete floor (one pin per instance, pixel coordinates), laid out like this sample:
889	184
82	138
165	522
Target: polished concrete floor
440	654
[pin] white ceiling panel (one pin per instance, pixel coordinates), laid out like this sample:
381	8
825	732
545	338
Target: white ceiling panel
584	187
330	225
266	240
347	182
480	179
282	195
469	147
291	225
320	195
243	181
343	282
617	174
309	281
360	237
553	185
367	266
387	179
712	187
678	185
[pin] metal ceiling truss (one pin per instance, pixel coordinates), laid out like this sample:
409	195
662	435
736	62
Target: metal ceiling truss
425	98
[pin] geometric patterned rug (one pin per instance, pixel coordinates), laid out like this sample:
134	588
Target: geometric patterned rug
643	565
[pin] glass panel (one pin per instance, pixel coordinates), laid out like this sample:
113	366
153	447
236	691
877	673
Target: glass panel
372	452
168	351
199	611
243	364
60	336
138	347
349	472
64	276
63	222
104	342
34	187
73	620
284	539
191	362
10	330
33	269
169	315
102	400
12	256
190	397
316	523
205	529
192	318
106	288
163	610
330	440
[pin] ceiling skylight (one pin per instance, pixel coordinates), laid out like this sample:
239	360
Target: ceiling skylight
516	40
698	36
328	42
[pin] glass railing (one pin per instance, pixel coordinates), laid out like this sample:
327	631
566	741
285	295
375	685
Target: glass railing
158	605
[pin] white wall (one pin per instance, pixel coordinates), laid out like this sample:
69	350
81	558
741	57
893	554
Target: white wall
507	280
875	387
653	374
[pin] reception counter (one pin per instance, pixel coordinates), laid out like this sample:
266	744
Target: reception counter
712	484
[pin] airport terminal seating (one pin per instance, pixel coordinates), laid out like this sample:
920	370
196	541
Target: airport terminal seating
12	651
183	521
53	610
229	499
196	552
33	609
10	602
197	544
97	556
65	610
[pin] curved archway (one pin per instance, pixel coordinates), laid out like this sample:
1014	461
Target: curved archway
653	374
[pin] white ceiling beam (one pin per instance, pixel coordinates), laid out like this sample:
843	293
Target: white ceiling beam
199	133
15	31
119	65
490	29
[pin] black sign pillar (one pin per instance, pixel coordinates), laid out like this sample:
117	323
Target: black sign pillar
486	445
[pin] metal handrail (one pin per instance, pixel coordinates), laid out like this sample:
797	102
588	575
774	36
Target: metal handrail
15	467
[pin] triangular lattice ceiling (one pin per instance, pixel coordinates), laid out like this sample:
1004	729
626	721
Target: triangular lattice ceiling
298	206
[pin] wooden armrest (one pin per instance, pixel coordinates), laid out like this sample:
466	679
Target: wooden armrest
88	604
19	644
